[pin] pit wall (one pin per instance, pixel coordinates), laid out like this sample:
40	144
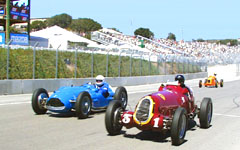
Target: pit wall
8	87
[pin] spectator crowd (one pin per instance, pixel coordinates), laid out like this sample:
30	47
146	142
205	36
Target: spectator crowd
198	50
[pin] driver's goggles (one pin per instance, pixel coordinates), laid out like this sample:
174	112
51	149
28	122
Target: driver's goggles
99	80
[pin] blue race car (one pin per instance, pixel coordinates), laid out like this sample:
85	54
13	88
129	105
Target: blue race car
82	99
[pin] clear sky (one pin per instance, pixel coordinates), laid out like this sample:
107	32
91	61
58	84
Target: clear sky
187	19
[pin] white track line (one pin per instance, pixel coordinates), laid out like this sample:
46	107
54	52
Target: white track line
14	103
233	116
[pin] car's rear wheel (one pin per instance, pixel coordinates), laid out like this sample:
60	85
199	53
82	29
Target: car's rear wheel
113	117
179	126
216	83
121	95
200	83
205	115
83	105
39	99
221	83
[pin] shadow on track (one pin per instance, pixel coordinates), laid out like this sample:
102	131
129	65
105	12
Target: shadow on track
161	137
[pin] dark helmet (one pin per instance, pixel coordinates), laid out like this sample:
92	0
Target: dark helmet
180	78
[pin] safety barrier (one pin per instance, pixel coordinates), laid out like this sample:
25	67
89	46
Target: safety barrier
28	86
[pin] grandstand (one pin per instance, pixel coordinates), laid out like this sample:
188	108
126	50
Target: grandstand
210	52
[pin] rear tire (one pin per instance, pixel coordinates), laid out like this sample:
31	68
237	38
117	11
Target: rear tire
221	83
121	95
39	101
179	126
205	115
113	117
216	83
83	105
200	83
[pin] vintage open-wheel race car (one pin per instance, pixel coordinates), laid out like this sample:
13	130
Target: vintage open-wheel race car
168	109
211	81
81	99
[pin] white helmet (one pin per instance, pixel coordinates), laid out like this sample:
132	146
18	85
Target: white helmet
99	80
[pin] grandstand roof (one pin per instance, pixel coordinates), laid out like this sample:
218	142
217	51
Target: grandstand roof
58	36
110	31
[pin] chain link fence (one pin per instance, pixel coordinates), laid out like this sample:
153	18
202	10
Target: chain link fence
37	63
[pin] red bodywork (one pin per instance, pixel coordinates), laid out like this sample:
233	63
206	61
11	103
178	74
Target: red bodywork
161	108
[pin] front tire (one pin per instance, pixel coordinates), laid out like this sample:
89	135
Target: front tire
113	117
39	98
83	105
205	115
179	126
121	95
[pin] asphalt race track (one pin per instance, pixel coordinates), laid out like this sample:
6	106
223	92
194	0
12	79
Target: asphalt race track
21	129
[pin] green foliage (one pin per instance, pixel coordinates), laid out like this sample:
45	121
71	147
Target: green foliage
38	25
229	42
14	30
62	20
21	65
171	36
77	44
145	32
200	40
85	25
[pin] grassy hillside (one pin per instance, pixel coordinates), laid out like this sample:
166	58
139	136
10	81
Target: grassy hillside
21	65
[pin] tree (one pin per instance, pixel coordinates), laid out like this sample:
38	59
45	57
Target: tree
62	20
37	25
200	40
171	36
229	42
14	30
85	25
145	32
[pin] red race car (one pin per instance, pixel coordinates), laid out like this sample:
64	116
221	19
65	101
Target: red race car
168	109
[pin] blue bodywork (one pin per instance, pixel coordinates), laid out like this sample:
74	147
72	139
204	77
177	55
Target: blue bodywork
63	100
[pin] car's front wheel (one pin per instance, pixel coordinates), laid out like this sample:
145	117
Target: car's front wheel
83	105
113	117
205	115
39	99
121	95
179	126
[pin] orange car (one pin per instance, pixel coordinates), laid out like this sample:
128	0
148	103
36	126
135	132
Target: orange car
211	81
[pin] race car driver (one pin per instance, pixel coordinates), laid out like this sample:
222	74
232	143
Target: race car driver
186	90
180	79
102	86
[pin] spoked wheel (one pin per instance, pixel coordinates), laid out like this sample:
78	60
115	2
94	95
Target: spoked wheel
179	126
113	117
121	95
83	105
39	99
200	83
205	116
